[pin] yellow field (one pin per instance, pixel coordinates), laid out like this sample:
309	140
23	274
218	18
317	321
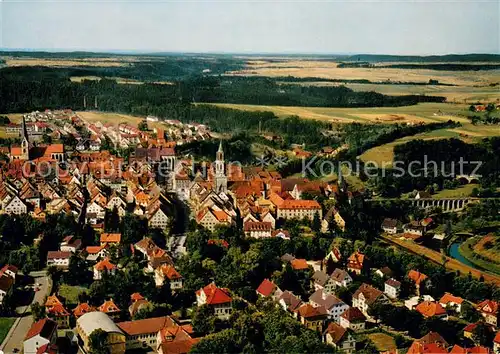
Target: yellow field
116	118
455	94
382	341
54	62
330	70
424	112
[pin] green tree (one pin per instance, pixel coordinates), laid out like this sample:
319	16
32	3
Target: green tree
98	342
316	224
37	311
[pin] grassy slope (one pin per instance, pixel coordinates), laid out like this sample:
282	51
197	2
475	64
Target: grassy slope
469	254
5	324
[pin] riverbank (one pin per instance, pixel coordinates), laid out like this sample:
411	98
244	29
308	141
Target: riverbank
466	251
437	257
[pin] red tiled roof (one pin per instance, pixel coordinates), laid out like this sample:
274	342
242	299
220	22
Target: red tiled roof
416	276
215	295
300	204
170	272
146	326
266	288
353	314
52	300
82	309
93	249
111	238
309	311
447	298
430	309
488	306
299	264
109	307
105	264
136	296
57	310
45	328
258	226
356	260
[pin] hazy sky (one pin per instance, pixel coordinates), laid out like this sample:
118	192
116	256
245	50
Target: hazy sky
390	27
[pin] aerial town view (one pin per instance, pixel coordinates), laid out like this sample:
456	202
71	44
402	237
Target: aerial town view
249	177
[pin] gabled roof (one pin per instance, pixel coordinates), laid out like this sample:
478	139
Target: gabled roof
308	311
57	310
370	293
473	350
339	275
353	314
356	260
299	264
447	298
417	277
82	309
266	288
430	309
45	328
323	299
111	238
146	326
336	331
136	297
59	254
488	306
215	295
105	264
291	301
109	307
393	282
170	272
52	300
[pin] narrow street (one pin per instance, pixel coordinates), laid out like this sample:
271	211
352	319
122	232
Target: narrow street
15	338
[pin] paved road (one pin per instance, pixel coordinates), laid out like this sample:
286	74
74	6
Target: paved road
17	333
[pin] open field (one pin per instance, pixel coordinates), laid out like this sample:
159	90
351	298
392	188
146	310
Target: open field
70	293
14	118
330	70
383	342
451	263
115	118
5	324
458	94
59	62
462	191
423	112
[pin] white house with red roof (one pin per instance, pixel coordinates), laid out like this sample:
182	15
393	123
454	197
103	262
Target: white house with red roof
168	271
489	310
450	301
268	288
217	298
104	266
40	334
258	229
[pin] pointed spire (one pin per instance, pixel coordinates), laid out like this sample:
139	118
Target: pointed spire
220	146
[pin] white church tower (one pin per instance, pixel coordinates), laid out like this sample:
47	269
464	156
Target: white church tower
220	171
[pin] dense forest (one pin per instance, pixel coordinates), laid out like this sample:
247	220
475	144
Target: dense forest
425	59
443	66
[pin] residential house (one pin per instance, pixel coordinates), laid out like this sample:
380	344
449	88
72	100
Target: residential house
420	280
41	333
143	334
258	229
59	314
108	239
366	296
299	264
70	244
431	309
15	206
412	302
431	343
449	301
217	298
82	308
109	308
312	317
470	350
95	253
489	310
104	266
268	288
340	338
390	226
299	209
413	228
323	281
392	288
333	305
59	259
341	278
356	262
289	302
353	318
167	271
209	218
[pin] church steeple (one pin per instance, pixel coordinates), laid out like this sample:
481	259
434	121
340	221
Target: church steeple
25	143
220	171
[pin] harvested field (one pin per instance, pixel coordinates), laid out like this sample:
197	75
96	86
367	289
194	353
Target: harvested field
330	70
116	118
383	342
